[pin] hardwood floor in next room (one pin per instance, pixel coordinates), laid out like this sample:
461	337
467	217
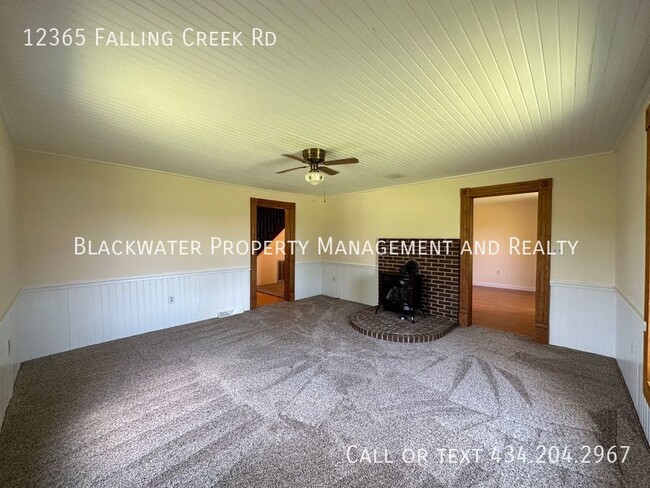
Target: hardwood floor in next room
506	310
265	299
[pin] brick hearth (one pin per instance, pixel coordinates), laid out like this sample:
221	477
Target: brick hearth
389	327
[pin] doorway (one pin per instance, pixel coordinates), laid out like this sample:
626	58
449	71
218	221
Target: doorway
543	189
272	276
503	277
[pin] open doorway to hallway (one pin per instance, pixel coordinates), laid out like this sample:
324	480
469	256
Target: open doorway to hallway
270	259
272	264
503	287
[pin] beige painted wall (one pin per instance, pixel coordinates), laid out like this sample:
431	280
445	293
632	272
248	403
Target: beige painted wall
62	197
630	216
9	280
583	209
498	221
267	264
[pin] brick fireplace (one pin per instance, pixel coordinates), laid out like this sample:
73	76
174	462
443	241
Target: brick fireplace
440	270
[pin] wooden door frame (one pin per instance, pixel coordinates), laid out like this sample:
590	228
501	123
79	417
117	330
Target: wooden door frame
543	188
289	235
646	297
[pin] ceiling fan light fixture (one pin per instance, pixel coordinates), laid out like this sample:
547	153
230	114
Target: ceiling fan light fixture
314	177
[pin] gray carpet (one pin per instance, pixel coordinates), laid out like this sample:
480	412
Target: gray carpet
276	397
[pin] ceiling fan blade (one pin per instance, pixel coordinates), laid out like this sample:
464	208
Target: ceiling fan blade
328	171
287	170
341	161
297	158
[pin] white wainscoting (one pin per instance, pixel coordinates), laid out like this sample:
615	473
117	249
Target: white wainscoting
308	279
9	360
629	354
582	317
354	282
59	318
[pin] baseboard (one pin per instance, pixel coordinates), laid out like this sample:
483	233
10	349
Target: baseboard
504	286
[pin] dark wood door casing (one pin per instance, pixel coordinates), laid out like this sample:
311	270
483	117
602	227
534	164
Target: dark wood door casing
543	188
289	235
646	304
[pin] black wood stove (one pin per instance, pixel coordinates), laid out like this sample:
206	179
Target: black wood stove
401	291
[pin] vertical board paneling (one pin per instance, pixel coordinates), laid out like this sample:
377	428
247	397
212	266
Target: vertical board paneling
582	317
9	364
629	354
60	318
328	280
308	279
57	319
354	282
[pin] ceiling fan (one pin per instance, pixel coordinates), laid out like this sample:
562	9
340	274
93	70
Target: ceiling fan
315	159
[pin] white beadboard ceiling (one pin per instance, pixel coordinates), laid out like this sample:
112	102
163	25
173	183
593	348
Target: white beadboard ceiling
416	90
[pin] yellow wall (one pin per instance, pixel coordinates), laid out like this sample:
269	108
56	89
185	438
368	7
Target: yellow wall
630	217
583	209
62	197
498	221
9	282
